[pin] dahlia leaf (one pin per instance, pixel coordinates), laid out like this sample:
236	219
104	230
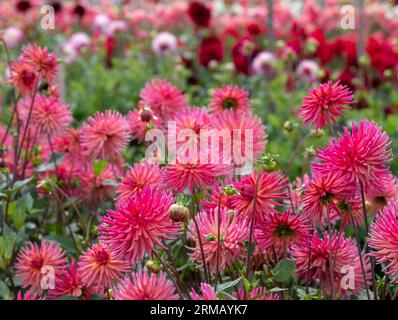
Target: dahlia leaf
226	285
284	271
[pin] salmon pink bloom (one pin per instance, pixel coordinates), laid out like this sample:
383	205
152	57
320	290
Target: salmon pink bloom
361	155
141	286
314	267
23	77
320	193
34	261
229	97
49	116
164	99
233	233
99	268
105	135
271	189
324	104
207	290
138	178
137	224
69	283
383	239
44	62
280	230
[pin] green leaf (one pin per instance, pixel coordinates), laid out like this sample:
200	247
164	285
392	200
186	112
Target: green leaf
4	291
284	271
7	242
229	284
18	185
99	166
50	164
18	210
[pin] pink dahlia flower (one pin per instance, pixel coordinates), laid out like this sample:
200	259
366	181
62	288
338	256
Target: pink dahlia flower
271	189
44	62
325	104
70	283
105	135
163	98
383	239
23	76
314	267
141	286
138	178
321	192
233	233
164	44
99	268
34	262
229	97
280	230
49	117
361	155
208	292
138	224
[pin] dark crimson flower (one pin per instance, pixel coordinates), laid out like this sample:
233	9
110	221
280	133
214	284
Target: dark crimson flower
200	14
210	49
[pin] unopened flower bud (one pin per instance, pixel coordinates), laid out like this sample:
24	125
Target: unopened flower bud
153	266
178	213
230	190
363	61
146	114
318	133
288	127
388	74
211	237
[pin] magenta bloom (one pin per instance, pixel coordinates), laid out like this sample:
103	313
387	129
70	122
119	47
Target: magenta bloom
28	296
163	98
139	177
361	155
208	292
99	268
44	62
242	127
271	189
141	286
321	192
105	135
233	233
280	230
325	104
69	283
138	224
229	97
345	255
383	239
33	263
50	116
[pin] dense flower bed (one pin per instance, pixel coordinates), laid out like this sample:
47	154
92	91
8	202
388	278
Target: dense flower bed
198	150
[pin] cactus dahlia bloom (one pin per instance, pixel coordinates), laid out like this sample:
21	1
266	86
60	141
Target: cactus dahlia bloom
69	283
383	239
164	99
361	155
324	104
139	177
246	132
321	192
315	268
271	188
34	261
105	135
141	286
44	62
233	233
208	292
280	230
137	224
50	116
229	97
23	77
99	268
